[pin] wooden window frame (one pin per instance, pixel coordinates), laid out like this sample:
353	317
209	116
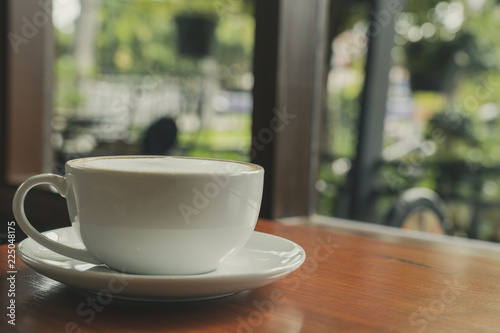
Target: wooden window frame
25	102
289	70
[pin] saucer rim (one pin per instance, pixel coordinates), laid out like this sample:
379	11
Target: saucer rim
203	276
261	278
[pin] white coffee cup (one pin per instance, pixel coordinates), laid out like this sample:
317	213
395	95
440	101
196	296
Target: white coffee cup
153	214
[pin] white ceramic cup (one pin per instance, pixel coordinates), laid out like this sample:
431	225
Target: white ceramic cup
153	214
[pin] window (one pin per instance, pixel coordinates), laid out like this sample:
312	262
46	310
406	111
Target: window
75	92
167	66
436	128
282	95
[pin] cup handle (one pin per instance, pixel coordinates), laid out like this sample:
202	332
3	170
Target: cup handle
59	183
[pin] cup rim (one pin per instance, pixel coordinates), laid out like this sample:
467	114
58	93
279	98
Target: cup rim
79	164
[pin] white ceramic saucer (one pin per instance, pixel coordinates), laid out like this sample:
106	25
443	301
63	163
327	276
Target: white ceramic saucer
264	259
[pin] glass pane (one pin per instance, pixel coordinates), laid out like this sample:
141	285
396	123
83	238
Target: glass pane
441	126
450	64
152	77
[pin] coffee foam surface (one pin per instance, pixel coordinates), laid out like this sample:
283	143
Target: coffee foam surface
166	164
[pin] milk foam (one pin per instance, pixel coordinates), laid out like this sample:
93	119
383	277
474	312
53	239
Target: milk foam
166	164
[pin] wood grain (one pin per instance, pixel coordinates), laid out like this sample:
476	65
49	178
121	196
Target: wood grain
349	283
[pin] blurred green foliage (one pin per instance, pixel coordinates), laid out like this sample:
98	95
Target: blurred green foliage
451	53
139	38
136	37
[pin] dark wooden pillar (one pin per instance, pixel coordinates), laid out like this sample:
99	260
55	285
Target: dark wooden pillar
289	67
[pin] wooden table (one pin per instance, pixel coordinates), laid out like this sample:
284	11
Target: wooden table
357	278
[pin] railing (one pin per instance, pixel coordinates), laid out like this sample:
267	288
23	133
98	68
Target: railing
470	184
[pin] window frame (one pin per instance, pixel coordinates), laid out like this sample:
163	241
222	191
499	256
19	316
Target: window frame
289	70
24	145
283	44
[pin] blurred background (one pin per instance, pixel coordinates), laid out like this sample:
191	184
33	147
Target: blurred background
127	74
121	66
440	129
